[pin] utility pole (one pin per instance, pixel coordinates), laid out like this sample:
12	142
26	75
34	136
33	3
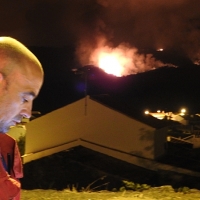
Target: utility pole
86	82
84	70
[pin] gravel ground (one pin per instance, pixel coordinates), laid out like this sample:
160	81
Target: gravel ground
155	193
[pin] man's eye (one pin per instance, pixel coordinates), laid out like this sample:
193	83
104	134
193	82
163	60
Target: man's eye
25	100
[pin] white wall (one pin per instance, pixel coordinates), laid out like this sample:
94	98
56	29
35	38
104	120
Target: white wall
56	128
116	130
101	125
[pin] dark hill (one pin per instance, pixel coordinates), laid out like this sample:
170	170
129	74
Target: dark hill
165	88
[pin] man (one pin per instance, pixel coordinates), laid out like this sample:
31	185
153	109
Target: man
21	77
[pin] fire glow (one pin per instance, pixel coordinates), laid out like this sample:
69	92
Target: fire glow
123	60
111	63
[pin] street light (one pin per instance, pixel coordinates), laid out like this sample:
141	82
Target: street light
183	111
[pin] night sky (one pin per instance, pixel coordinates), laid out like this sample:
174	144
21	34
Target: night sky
63	34
151	24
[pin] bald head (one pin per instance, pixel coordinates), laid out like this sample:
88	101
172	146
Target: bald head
21	78
12	50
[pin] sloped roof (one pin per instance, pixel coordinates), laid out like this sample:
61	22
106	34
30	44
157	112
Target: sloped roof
132	111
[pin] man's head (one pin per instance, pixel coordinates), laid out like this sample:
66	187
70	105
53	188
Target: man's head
21	77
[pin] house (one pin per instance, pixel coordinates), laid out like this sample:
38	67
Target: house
138	140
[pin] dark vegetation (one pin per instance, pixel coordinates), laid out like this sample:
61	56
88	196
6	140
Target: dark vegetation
83	168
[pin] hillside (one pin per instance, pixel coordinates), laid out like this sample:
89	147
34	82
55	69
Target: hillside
167	88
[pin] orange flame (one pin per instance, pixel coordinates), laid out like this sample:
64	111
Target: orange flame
123	60
111	63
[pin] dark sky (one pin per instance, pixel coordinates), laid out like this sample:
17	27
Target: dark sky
83	23
75	28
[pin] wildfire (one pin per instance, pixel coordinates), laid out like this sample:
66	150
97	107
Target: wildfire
123	60
111	64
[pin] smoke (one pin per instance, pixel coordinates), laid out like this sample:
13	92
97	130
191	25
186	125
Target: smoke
152	24
142	24
123	60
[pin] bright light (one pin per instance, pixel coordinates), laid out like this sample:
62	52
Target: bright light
110	64
183	110
146	112
122	60
119	61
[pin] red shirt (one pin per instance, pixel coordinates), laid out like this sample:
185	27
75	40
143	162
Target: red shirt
10	168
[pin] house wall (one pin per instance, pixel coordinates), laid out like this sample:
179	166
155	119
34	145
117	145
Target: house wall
101	125
113	129
58	127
